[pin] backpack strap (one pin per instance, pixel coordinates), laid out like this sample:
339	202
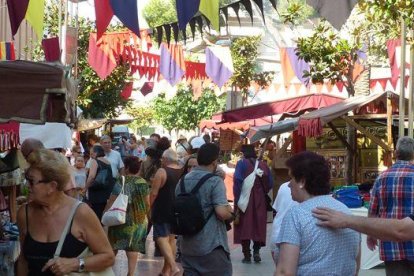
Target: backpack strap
201	182
182	186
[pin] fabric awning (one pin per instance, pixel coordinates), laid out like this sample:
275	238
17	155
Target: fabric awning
257	133
242	125
89	124
311	124
290	106
35	93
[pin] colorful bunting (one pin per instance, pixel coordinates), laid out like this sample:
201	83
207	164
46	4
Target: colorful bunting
127	91
219	65
186	9
17	11
7	51
394	56
103	14
298	65
51	49
259	3
248	6
99	58
335	11
172	64
210	9
34	15
127	13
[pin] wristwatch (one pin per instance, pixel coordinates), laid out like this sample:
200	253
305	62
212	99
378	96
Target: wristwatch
81	265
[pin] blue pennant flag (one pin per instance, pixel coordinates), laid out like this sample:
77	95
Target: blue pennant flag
186	9
127	12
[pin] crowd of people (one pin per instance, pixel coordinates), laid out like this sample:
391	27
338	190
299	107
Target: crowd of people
67	198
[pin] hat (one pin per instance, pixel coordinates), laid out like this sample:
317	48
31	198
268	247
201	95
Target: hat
248	151
197	142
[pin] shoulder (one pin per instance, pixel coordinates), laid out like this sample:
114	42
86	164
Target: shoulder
84	213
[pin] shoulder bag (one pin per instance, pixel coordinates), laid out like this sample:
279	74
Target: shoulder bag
107	272
116	215
247	186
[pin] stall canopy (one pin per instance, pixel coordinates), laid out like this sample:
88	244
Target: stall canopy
35	93
290	107
90	124
242	125
310	124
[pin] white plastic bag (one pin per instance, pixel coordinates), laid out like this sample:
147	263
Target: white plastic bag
117	213
247	186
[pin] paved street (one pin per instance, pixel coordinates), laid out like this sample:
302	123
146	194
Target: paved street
151	266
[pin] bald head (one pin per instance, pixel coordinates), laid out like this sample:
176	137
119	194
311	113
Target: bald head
29	145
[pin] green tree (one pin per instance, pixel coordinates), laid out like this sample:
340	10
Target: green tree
244	54
143	117
97	98
183	112
159	12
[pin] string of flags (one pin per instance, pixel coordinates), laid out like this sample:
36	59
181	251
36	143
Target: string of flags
31	10
7	51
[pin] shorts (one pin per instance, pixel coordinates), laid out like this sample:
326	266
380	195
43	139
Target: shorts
161	230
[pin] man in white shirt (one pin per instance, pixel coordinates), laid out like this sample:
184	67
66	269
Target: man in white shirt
282	204
113	156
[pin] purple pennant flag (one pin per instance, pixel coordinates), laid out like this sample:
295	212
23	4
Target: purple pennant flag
170	60
127	12
17	12
298	65
219	65
186	9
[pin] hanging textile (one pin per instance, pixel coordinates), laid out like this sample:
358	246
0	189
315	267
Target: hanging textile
127	91
186	9
7	51
335	11
34	15
51	49
195	70
394	56
17	11
210	9
127	13
9	136
172	64
298	65
287	70
219	65
103	14
101	60
147	88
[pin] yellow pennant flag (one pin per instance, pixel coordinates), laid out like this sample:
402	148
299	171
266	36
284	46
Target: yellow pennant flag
35	14
210	9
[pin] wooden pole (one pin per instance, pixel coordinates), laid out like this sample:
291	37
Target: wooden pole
411	92
402	80
389	120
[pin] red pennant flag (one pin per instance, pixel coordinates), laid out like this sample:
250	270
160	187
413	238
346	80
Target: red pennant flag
127	92
104	14
17	12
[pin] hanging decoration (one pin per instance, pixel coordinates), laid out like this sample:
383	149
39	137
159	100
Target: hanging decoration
335	11
17	11
34	15
187	14
172	64
219	65
394	56
103	14
9	135
7	51
51	49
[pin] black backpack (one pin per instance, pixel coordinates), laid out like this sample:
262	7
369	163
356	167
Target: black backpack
188	212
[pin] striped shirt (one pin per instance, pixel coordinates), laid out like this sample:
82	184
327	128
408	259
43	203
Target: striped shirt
392	196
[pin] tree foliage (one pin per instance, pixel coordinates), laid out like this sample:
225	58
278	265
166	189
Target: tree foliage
244	54
183	112
143	117
295	12
159	12
97	98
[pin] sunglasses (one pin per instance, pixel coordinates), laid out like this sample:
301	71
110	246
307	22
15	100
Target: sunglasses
31	181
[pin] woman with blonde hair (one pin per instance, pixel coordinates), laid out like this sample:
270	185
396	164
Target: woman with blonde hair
42	221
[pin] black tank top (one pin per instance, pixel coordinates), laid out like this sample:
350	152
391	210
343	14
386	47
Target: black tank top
38	253
162	209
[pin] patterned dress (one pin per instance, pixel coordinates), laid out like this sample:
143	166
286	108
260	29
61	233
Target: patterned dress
131	236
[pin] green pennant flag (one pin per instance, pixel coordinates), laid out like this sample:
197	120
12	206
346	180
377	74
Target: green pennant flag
210	9
34	15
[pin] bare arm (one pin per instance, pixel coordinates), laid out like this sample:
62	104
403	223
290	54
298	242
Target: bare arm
22	269
157	183
224	212
109	203
92	174
382	229
287	264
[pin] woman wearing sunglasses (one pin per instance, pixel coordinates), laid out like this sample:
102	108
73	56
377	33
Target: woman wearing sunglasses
42	221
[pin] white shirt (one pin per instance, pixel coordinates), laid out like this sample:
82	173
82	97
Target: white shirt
115	159
282	204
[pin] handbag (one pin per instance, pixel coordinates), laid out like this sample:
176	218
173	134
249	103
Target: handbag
107	272
116	215
247	186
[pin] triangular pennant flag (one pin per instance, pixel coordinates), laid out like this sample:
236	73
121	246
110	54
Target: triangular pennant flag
17	11
103	14
210	9
207	22
160	33
225	11
259	3
127	13
236	8
273	2
34	15
193	27
167	29
127	91
335	11
172	64
186	9
175	30
199	21
184	35
248	6
219	65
